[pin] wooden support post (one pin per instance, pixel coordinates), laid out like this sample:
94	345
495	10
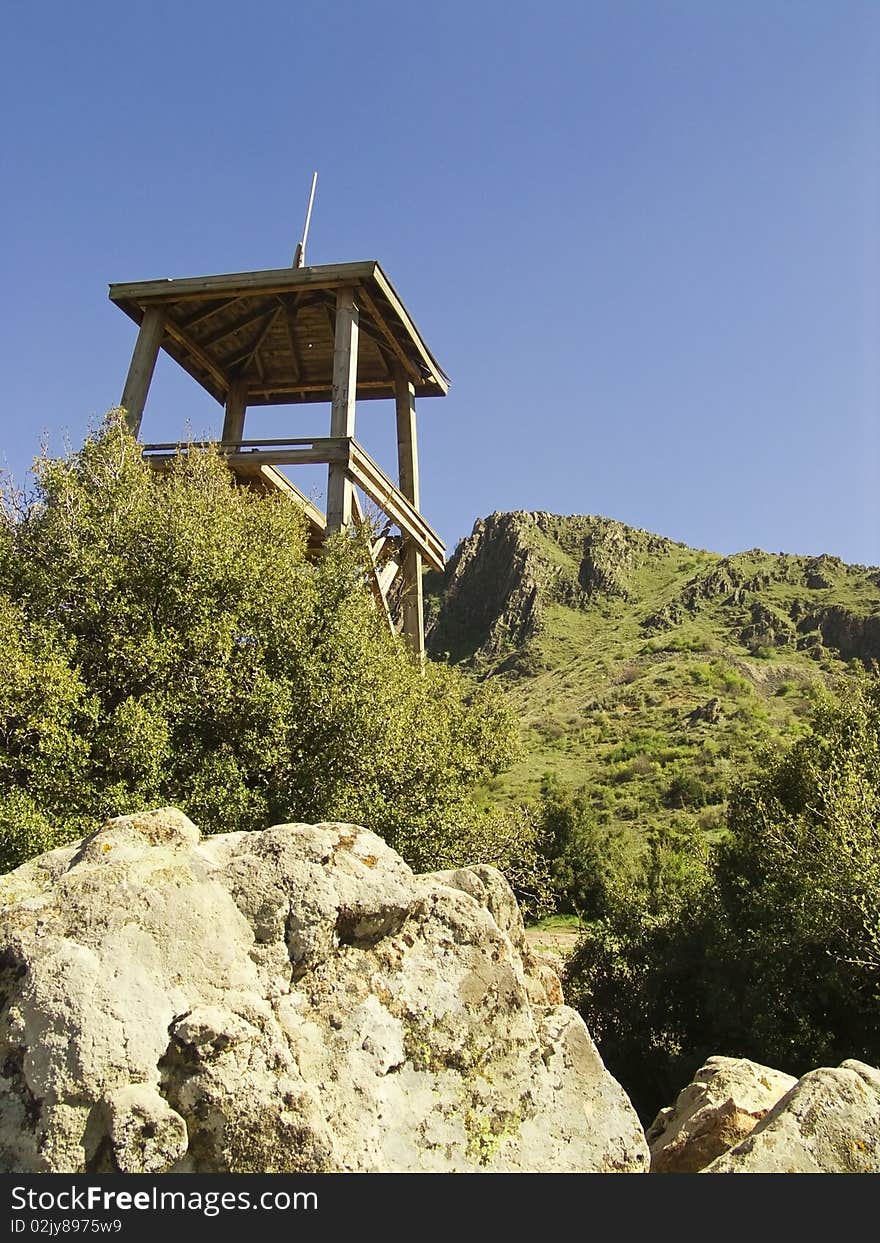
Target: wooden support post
345	351
140	373
380	596
407	446
408	467
233	419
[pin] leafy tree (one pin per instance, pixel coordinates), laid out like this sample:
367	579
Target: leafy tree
768	947
164	639
799	884
513	839
45	714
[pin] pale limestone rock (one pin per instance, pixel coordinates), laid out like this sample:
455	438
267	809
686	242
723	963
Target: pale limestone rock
828	1123
145	1134
491	890
727	1098
291	1000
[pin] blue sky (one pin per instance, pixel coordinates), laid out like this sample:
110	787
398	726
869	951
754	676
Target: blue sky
641	236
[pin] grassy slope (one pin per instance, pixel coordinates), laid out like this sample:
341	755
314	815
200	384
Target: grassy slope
604	698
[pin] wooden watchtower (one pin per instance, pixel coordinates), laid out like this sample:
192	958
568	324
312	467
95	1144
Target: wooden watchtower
336	333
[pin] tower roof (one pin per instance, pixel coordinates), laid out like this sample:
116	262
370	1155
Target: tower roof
276	330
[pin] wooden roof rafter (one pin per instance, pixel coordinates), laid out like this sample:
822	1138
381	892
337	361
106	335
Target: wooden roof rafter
391	340
218	306
241	362
367	327
290	309
204	360
387	359
231	330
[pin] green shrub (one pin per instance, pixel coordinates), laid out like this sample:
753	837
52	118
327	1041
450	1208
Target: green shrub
637	975
712	818
24	830
586	858
732	681
799	881
700	675
685	791
512	839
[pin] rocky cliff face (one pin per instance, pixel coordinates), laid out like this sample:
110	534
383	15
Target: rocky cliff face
498	585
491	598
291	1000
852	636
500	579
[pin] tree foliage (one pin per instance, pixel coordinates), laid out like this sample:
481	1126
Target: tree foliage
587	861
767	947
799	885
639	973
164	639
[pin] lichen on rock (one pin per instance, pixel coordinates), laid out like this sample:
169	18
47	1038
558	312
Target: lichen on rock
292	1000
827	1123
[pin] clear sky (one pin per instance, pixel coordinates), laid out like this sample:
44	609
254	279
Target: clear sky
640	235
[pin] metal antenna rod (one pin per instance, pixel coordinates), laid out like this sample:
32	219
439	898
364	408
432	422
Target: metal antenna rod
299	255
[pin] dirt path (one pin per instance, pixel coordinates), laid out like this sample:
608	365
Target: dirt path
555	940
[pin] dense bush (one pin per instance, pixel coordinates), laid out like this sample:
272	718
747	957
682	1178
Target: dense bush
638	973
585	859
686	790
163	639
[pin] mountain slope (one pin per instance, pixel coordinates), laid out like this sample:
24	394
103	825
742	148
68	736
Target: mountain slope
642	668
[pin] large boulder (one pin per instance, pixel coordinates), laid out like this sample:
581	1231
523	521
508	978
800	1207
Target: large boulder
290	1000
828	1123
720	1107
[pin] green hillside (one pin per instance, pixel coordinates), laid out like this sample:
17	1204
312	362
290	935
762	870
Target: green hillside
646	670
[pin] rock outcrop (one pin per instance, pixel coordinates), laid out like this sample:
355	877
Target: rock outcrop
720	1107
828	1123
737	1117
851	636
289	1000
492	597
502	578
